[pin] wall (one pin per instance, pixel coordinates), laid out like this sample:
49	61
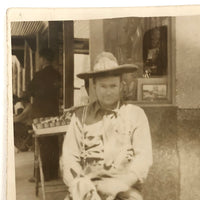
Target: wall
188	62
187	99
189	154
163	182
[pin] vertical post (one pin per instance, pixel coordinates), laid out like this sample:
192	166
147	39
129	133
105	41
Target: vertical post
172	58
96	46
68	63
41	175
31	63
27	63
23	79
53	39
36	165
25	68
19	71
37	52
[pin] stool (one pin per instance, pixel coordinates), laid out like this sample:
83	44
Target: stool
55	185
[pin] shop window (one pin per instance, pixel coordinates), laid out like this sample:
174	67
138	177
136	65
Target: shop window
144	42
81	64
81	60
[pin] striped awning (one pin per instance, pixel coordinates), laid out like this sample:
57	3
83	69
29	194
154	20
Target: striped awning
29	28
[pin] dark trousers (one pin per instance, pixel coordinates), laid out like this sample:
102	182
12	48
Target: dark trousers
49	151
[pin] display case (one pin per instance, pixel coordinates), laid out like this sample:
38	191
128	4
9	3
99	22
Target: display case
145	42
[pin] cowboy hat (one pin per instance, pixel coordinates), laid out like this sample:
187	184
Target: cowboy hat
105	65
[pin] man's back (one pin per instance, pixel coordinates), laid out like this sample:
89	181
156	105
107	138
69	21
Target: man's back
45	89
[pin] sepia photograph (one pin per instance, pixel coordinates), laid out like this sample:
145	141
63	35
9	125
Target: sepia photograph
104	107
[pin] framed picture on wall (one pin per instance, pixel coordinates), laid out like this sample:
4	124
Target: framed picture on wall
154	92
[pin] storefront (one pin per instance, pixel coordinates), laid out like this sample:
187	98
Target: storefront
166	51
146	42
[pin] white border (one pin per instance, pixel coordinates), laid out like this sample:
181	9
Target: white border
65	14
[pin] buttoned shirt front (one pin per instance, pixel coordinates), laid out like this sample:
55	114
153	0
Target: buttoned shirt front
107	139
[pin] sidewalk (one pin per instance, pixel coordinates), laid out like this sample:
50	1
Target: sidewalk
24	170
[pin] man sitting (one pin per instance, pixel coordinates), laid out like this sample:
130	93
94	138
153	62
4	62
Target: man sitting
107	151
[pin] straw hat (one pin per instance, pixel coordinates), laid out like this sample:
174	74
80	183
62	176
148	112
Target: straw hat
105	65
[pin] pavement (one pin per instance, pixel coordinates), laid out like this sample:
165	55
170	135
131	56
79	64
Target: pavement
24	163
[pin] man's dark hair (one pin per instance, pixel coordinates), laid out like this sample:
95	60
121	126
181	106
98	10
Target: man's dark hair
47	53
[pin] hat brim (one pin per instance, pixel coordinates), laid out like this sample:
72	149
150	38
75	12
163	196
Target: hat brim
125	68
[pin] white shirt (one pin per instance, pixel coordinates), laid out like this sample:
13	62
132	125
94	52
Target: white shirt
102	139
